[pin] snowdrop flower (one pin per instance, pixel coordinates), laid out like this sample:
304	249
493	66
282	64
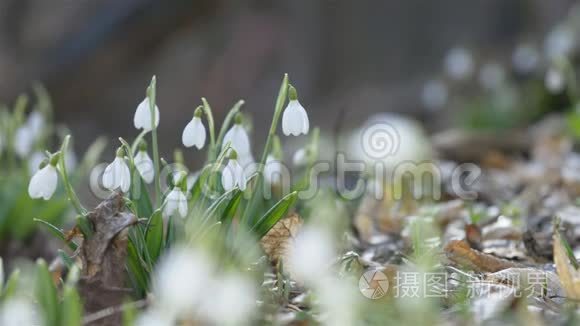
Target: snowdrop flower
117	174
491	75
300	157
525	58
311	255
19	312
35	122
181	280
144	165
194	132
154	318
23	140
459	63
272	170
176	201
295	119
559	42
434	94
232	301
43	183
233	174
142	119
238	138
555	81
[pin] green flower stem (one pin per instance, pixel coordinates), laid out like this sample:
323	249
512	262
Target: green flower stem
227	122
136	142
151	93
260	178
72	196
211	126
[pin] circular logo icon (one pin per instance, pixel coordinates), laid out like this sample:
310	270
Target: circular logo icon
380	140
373	284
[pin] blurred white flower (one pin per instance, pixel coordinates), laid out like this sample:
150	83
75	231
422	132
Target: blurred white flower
559	42
233	175
24	138
295	119
144	165
492	75
434	94
35	122
311	255
142	118
300	157
337	302
459	63
239	140
176	201
19	312
117	174
526	58
272	170
555	81
34	161
181	281
191	179
194	133
154	318
232	301
43	183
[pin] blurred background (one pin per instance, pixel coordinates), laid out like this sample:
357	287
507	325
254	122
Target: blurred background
347	58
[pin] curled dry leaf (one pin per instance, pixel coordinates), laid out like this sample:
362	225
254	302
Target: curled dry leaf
103	258
278	241
460	253
569	276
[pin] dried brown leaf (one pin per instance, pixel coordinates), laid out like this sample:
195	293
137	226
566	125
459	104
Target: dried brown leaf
103	258
278	241
569	276
459	252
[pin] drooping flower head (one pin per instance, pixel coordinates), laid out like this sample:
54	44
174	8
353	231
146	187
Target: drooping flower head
194	133
142	118
238	138
43	183
295	119
144	164
117	174
233	174
176	200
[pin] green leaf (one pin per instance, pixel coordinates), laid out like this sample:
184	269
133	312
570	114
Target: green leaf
66	259
57	233
136	269
140	196
275	213
71	311
230	210
46	294
154	235
11	285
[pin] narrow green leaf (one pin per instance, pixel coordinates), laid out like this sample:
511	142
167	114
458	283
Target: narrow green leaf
46	294
273	215
11	285
57	233
154	235
71	312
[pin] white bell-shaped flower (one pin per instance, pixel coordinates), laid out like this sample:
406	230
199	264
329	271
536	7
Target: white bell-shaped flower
272	170
23	140
43	183
555	81
142	119
233	174
300	157
176	201
34	161
144	165
239	139
232	301
295	119
194	132
117	174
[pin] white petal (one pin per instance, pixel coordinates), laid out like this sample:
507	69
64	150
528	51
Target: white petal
144	165
170	203
34	161
295	119
43	183
299	158
182	204
241	179
272	170
238	137
23	141
194	134
124	175
142	119
117	175
228	177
